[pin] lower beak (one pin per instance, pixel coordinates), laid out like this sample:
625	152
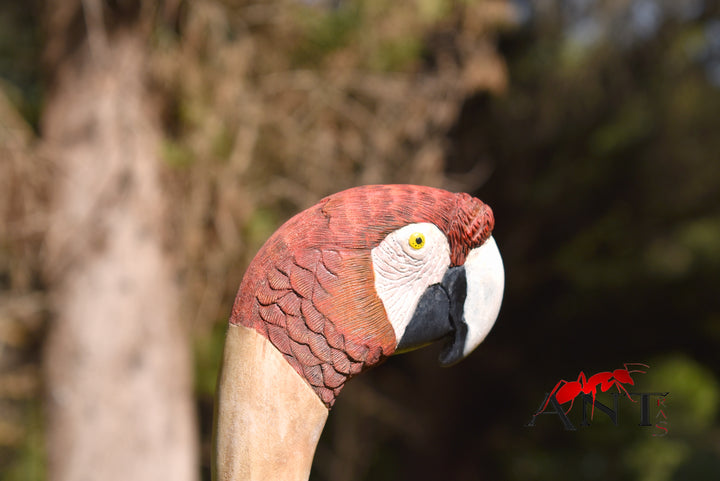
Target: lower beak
462	308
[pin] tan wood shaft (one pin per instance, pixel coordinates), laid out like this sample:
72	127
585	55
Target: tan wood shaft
268	420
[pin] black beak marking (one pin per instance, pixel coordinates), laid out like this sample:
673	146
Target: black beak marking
438	315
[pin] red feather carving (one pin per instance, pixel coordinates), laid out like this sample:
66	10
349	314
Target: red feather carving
310	289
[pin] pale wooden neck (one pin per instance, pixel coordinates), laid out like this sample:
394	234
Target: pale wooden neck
268	420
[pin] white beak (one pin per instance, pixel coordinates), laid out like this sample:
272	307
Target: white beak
485	286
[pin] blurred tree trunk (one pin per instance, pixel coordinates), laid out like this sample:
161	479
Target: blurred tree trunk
117	360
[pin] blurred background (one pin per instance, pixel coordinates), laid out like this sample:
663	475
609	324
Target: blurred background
148	148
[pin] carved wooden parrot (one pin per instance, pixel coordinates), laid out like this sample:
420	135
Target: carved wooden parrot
363	274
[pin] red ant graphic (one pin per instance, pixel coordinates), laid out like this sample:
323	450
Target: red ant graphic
565	391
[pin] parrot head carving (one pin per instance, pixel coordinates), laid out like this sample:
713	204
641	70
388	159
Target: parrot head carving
372	271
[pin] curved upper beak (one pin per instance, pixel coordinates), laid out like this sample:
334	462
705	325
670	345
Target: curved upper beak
462	308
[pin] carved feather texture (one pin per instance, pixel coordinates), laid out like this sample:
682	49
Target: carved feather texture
310	289
290	304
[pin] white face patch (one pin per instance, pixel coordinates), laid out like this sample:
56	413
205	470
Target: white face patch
405	263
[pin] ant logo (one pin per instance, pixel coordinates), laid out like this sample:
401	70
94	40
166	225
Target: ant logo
567	391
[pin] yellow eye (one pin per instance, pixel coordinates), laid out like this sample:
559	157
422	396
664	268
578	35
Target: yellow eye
417	240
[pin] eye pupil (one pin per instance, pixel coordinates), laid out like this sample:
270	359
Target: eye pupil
417	240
